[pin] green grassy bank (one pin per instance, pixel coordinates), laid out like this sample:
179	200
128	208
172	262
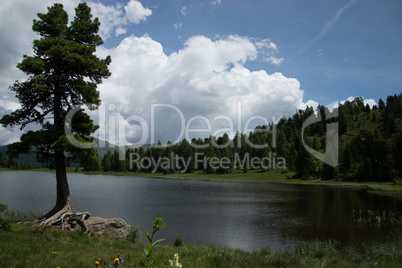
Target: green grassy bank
26	246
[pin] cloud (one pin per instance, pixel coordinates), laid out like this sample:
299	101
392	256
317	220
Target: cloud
370	102
335	104
216	3
328	25
8	135
16	40
116	17
205	82
274	61
268	51
135	12
120	31
178	25
184	10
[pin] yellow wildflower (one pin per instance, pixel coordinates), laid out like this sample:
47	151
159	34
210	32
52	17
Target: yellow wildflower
158	221
116	261
97	263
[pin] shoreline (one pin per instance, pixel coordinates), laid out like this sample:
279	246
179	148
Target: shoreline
253	176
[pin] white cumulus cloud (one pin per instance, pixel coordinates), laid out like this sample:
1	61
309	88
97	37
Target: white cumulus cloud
203	83
114	18
135	12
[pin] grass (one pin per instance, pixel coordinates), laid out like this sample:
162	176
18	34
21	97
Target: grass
12	216
26	246
22	245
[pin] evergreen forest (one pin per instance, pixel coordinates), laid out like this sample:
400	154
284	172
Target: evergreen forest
369	147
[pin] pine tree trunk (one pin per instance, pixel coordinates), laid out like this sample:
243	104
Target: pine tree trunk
63	191
63	199
62	214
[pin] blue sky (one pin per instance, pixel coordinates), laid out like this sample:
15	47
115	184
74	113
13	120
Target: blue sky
334	48
206	57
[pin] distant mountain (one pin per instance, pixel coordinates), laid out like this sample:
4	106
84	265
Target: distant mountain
102	148
23	159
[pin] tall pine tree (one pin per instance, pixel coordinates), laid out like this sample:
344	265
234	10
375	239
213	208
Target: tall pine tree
62	73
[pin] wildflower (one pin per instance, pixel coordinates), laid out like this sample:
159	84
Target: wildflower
175	261
97	263
158	221
54	252
116	261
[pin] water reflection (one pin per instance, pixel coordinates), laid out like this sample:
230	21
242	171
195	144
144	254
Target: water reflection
239	215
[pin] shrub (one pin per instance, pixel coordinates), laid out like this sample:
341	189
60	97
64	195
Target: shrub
134	234
178	241
4	225
3	208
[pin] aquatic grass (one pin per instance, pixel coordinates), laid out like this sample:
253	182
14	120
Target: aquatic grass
376	219
134	235
15	215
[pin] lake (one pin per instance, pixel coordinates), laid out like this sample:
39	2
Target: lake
248	216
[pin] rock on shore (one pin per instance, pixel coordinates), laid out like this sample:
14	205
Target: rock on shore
112	226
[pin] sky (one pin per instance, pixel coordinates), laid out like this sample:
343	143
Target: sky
188	69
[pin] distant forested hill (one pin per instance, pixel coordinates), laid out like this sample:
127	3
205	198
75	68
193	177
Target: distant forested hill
369	147
25	159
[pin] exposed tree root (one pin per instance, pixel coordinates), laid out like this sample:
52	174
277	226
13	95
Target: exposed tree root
65	219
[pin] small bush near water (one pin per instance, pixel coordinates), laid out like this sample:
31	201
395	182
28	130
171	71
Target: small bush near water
5	226
178	242
134	235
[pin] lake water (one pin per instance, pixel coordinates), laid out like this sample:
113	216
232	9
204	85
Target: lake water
248	216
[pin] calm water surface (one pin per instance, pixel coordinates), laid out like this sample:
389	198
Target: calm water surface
247	216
